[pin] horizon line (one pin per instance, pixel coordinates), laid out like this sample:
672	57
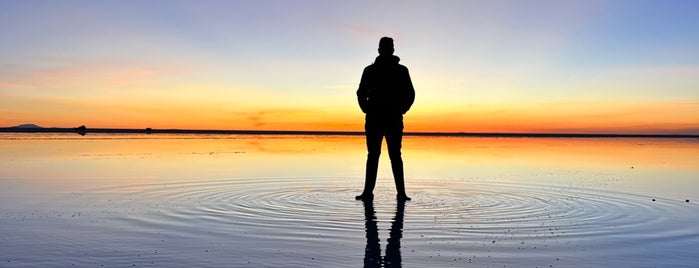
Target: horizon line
84	130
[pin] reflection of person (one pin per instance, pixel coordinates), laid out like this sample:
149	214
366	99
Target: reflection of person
385	94
372	252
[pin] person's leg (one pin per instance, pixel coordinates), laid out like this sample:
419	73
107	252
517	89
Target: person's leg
394	142
374	137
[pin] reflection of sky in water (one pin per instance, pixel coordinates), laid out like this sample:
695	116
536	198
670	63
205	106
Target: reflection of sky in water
651	166
242	201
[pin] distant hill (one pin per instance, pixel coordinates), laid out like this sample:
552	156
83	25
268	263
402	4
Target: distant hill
27	126
83	130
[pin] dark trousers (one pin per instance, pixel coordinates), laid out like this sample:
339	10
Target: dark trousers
376	128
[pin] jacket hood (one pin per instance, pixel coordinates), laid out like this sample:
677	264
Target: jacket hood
390	59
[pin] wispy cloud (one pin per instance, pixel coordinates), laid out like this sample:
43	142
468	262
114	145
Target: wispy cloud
93	76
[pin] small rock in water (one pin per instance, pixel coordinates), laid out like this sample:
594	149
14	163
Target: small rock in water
653	199
686	200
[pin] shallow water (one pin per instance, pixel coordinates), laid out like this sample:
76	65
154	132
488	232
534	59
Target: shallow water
287	201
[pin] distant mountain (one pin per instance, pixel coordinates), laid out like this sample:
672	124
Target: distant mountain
27	126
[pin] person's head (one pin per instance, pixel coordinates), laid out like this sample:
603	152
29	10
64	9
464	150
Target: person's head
386	46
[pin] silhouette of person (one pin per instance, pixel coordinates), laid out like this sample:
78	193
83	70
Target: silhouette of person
372	252
385	94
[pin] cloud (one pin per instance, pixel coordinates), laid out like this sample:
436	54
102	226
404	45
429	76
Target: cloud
91	75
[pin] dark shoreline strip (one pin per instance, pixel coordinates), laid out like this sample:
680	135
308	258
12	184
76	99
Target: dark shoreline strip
335	133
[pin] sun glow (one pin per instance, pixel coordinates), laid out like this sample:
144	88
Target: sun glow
506	68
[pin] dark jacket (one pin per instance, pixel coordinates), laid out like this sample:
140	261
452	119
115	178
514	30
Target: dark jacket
385	88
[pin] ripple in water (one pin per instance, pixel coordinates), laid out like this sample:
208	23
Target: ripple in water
292	222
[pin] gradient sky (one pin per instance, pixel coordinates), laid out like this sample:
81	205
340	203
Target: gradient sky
477	66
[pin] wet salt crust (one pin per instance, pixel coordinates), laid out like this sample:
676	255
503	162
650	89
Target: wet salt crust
299	222
288	201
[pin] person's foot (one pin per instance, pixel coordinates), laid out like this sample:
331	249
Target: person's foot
403	198
364	197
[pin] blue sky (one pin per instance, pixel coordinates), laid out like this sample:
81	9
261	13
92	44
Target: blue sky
235	60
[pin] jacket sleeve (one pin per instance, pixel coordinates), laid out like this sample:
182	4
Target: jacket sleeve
363	92
409	93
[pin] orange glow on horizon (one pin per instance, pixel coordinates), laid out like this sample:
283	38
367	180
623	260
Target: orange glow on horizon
571	117
676	120
230	109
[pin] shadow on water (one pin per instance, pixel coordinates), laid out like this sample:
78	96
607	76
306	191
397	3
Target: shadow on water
372	252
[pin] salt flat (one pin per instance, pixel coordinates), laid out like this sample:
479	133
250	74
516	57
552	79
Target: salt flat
118	200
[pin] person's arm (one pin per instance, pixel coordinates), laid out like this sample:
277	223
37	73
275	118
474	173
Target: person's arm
409	93
363	92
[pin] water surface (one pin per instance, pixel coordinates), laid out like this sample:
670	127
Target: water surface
287	201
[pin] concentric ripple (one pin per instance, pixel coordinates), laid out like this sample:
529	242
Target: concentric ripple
316	222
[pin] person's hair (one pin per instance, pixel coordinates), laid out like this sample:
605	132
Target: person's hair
386	46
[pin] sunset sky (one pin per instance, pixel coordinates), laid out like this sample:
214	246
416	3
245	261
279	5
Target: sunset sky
477	66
